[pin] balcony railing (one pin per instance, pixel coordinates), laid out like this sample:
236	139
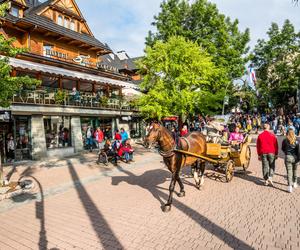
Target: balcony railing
57	98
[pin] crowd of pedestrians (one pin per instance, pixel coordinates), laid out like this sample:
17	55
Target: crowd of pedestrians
119	147
268	126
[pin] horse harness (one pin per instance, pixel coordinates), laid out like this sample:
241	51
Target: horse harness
171	152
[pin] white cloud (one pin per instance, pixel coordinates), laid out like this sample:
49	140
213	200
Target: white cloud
124	24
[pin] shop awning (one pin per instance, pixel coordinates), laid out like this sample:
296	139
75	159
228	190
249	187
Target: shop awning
23	64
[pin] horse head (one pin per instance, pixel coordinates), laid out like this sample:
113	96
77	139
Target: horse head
153	135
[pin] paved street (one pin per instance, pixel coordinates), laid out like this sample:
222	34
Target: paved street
79	205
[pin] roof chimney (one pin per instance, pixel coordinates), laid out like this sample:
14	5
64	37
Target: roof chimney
122	55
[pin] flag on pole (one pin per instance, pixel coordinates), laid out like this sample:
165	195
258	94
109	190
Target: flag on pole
252	75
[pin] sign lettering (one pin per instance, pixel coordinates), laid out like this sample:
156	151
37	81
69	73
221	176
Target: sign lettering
54	53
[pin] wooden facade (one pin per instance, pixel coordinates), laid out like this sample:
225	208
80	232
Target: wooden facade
55	33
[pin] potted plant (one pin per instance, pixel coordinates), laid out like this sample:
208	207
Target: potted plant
104	101
60	97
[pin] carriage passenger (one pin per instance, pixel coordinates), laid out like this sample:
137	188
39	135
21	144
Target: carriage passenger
236	137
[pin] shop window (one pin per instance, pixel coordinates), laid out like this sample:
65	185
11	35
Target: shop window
60	20
23	138
14	11
50	82
47	48
72	25
57	131
67	22
68	84
86	87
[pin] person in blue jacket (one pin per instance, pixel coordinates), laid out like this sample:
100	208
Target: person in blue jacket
124	135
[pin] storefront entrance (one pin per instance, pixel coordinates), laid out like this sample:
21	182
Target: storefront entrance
15	143
6	131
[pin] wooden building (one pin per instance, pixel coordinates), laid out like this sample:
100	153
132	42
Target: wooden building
76	90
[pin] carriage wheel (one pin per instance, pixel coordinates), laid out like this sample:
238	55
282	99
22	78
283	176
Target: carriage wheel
247	158
229	170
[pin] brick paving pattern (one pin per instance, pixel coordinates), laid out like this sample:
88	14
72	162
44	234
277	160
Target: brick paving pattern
78	205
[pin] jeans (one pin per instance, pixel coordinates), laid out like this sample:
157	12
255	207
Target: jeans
268	165
291	169
128	156
89	143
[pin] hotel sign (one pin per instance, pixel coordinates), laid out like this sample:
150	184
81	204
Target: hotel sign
54	53
107	67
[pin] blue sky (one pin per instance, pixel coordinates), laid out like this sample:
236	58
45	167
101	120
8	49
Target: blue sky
124	24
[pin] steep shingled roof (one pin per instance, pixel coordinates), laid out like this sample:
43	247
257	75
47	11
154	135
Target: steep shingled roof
31	17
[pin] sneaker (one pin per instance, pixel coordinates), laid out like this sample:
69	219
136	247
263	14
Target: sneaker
295	185
271	182
290	189
266	182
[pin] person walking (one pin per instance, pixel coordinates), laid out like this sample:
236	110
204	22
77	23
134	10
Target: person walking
290	147
89	138
267	150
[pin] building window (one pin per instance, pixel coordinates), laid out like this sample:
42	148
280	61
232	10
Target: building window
67	22
15	11
72	25
60	20
47	48
57	131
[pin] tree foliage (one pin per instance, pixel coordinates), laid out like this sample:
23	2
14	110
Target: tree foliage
178	77
10	85
278	64
202	23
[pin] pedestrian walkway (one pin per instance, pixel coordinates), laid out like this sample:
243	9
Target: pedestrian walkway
80	205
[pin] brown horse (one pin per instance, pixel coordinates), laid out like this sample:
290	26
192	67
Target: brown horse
194	142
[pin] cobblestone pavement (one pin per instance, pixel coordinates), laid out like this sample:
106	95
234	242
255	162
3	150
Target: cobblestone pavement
78	205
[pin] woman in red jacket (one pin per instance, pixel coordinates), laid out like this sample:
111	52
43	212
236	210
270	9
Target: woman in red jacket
184	131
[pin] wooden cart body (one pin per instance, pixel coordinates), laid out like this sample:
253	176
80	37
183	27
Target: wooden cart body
225	157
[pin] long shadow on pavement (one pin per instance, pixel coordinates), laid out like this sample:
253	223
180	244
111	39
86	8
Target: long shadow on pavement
104	233
150	181
37	194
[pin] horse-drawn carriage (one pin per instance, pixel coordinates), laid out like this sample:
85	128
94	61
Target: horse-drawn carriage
225	157
194	150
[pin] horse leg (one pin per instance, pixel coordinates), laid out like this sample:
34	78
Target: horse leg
167	206
178	179
196	174
202	170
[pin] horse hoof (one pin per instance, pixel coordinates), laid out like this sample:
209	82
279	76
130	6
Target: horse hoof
181	194
166	208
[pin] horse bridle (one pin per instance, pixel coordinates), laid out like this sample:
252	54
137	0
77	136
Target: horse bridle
168	153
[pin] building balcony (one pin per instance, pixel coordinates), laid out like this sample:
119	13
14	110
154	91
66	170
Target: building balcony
64	98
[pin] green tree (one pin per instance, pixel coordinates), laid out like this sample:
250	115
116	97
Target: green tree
178	76
10	85
201	22
278	64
